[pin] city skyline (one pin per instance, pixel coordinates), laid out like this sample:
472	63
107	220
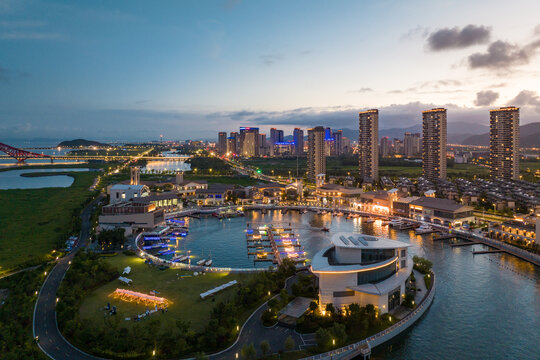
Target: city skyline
68	67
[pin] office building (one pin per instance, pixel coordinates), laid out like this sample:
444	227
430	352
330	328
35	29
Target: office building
263	145
434	144
504	143
276	136
222	143
316	156
368	145
298	138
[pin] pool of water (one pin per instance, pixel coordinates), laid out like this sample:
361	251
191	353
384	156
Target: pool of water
485	307
12	179
166	165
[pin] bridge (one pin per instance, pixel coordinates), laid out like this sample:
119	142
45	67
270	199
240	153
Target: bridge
20	155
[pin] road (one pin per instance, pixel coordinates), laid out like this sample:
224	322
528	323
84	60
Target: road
51	341
253	331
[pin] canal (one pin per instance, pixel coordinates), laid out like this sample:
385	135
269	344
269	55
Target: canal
486	306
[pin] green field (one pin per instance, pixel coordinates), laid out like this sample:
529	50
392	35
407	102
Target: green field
36	221
183	292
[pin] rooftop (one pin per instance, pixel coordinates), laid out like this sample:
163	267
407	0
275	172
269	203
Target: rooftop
440	204
127	187
361	241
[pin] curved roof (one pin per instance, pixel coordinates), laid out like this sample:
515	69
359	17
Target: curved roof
362	241
320	263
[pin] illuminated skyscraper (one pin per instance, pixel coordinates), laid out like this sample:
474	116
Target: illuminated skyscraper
434	144
298	136
504	143
316	156
368	145
222	143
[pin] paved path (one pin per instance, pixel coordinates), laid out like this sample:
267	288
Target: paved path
254	332
51	341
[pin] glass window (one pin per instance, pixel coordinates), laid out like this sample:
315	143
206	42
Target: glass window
343	293
377	274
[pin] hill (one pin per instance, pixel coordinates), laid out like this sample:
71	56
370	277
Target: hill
529	136
80	143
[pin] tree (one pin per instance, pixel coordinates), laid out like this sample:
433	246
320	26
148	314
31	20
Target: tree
201	356
323	338
248	352
289	343
330	309
265	347
313	306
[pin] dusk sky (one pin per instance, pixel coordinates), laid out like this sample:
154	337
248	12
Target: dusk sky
187	69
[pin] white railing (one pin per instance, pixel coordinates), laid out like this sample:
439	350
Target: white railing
352	350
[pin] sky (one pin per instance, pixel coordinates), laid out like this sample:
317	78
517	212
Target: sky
129	70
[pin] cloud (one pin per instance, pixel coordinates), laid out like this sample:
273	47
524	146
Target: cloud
21	35
537	30
418	31
430	87
228	5
486	98
6	75
362	90
455	38
270	59
502	55
527	98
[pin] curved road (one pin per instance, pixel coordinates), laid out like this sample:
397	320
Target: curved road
51	341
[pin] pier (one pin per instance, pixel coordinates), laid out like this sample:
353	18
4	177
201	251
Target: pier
278	242
466	243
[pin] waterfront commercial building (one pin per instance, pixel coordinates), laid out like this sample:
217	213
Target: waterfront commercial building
222	143
298	138
504	143
316	163
362	269
368	145
440	211
434	144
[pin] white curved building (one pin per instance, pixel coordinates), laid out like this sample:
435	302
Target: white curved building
362	269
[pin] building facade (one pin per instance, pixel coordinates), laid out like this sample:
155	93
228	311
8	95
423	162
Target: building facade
434	144
411	144
362	269
298	138
504	143
232	143
249	141
368	145
316	163
222	143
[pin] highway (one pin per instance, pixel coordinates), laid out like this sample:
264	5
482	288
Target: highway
45	328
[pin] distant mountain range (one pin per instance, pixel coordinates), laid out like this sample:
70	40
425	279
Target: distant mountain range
529	136
80	142
457	131
461	133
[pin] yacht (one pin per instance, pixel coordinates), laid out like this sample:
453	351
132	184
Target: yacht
208	262
396	222
201	262
423	229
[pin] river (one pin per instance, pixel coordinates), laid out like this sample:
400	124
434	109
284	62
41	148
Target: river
485	307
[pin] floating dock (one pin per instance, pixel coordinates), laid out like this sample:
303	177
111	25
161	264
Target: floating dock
270	243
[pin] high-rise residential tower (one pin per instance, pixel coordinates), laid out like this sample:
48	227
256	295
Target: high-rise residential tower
249	141
222	143
232	143
411	144
504	143
434	144
368	145
316	156
298	136
386	146
338	142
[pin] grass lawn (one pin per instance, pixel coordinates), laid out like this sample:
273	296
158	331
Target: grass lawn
183	292
34	221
